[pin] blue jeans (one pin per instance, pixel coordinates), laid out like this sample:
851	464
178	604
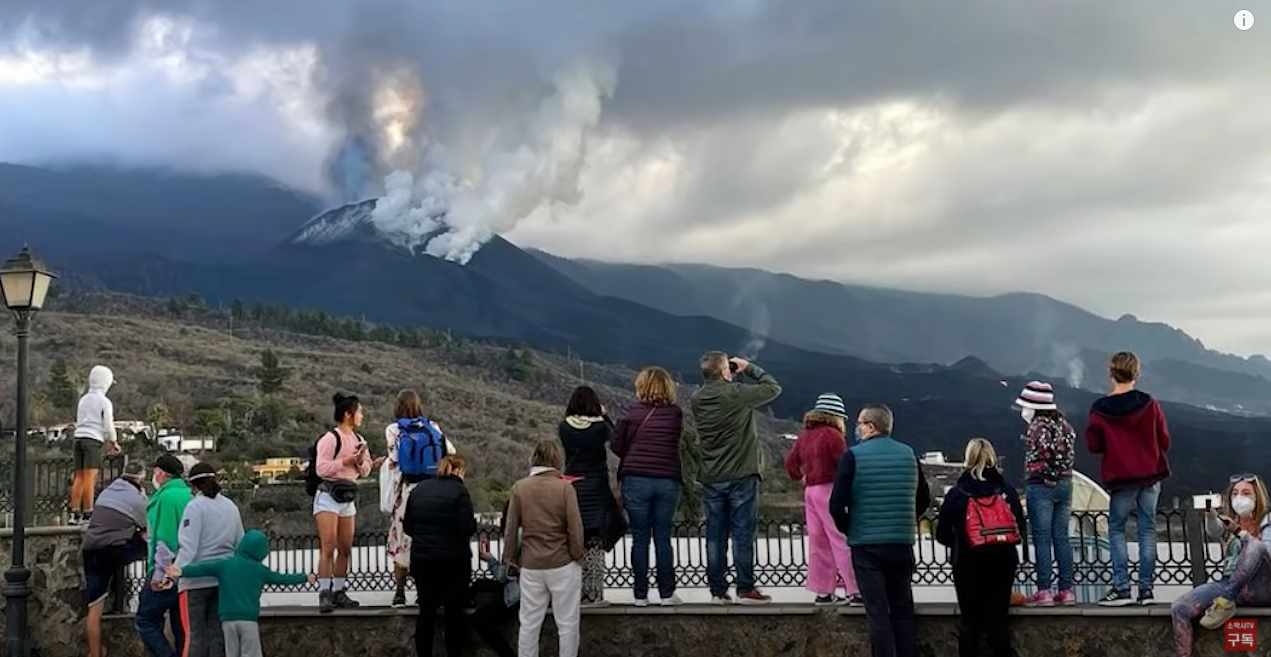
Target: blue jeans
732	508
1049	510
650	505
1142	503
152	606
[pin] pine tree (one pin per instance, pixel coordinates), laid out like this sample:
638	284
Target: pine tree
61	390
271	373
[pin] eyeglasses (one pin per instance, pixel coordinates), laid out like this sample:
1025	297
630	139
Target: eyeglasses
1245	477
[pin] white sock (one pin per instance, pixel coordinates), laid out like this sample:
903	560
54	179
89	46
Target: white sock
339	584
324	583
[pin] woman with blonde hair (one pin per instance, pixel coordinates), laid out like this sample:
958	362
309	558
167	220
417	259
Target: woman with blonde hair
1244	526
647	439
981	521
440	522
813	462
409	421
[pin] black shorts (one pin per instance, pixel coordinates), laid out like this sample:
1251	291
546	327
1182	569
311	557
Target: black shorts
86	454
102	565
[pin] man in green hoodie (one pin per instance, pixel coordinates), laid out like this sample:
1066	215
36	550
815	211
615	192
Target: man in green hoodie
241	578
158	597
724	417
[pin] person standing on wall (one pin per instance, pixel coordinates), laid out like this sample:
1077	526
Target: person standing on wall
1049	451
981	521
647	439
812	462
724	417
94	433
158	597
415	449
1127	427
879	493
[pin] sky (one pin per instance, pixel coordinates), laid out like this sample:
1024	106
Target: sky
1116	155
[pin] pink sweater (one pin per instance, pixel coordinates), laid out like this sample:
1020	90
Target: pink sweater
331	467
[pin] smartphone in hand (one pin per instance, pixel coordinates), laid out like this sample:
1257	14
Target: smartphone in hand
484	545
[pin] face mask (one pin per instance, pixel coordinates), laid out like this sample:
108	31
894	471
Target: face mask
1242	505
856	433
154	481
1027	414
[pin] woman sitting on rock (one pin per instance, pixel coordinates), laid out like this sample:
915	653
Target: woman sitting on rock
1244	526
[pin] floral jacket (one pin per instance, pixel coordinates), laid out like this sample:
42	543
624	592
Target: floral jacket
1048	450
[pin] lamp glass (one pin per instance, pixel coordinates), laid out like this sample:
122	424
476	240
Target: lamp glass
19	286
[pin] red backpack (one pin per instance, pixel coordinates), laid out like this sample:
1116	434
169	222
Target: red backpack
990	521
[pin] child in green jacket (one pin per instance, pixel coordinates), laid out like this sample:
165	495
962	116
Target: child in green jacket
242	577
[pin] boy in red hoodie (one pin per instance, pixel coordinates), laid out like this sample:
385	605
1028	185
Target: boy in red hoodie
1128	428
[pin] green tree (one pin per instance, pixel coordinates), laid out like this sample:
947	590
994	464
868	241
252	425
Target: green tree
61	391
209	423
176	308
272	374
237	310
157	416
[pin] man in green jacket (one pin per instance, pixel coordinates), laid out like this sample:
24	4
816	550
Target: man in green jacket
158	597
731	461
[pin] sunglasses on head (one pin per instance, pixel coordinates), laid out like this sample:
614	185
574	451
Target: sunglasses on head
1245	477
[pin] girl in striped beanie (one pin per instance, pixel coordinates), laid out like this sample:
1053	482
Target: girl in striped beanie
813	462
1048	456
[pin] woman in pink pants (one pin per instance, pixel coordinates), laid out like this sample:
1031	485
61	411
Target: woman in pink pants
813	462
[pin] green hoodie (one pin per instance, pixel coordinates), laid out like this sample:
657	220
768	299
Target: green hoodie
163	516
242	577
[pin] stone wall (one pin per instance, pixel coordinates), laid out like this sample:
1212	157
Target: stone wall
707	631
55	608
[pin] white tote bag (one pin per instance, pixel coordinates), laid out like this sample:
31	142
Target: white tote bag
387	487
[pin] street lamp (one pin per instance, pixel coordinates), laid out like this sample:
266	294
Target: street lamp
24	282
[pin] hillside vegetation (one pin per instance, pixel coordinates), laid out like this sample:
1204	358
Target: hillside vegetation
248	377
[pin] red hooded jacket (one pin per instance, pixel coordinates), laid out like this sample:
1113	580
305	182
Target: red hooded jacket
1129	430
816	455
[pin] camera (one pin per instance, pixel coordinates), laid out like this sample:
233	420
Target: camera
732	366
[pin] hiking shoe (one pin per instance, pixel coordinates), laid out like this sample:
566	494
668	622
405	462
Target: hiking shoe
722	599
343	601
829	601
1116	598
1065	598
325	604
1041	598
399	599
1218	613
641	602
753	597
671	601
1146	598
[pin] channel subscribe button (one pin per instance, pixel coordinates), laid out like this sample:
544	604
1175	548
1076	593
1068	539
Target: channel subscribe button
1240	635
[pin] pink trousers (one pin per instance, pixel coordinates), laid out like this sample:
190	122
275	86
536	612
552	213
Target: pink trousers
827	547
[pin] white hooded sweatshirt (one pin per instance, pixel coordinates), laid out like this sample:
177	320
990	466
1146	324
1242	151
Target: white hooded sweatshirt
96	416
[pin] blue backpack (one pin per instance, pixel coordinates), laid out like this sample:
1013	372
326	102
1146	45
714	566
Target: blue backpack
420	448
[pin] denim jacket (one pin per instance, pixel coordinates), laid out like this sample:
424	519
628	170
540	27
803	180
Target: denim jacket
511	588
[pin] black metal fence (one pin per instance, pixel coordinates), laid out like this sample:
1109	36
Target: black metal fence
50	482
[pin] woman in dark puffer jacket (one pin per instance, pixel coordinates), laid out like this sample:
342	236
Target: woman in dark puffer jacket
648	442
584	435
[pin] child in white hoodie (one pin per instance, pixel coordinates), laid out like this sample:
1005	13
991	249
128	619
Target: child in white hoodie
94	432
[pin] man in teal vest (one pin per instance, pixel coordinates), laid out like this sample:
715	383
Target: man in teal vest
879	492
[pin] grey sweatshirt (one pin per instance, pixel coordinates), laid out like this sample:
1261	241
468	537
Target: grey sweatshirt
120	514
210	529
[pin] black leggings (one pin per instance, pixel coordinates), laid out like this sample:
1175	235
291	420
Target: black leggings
488	622
983	582
441	583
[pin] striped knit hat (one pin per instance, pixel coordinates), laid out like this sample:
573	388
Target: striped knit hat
1037	395
832	404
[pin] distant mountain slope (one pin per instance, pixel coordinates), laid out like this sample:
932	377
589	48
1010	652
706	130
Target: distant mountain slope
205	218
1017	332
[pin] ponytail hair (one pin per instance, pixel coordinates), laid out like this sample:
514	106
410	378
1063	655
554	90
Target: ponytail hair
451	465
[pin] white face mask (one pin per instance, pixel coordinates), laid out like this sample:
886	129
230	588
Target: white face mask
154	481
1027	414
1242	505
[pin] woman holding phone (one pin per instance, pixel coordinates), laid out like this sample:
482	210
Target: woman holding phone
1243	524
342	458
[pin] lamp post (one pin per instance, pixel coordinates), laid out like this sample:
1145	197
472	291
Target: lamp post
24	281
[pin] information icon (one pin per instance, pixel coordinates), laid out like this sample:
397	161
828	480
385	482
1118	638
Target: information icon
1244	19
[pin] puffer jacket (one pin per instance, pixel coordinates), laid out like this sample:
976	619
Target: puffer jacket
647	440
585	440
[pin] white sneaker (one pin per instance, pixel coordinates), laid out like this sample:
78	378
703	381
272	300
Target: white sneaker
672	601
641	602
722	599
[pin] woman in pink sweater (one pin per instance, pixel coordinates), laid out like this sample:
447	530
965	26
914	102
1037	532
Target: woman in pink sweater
813	462
343	458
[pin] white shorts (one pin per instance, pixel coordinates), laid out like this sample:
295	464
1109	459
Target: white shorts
324	503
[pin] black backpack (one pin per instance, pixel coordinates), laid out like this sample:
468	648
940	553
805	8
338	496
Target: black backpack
312	480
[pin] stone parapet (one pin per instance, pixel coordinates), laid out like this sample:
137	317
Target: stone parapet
55	609
706	631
